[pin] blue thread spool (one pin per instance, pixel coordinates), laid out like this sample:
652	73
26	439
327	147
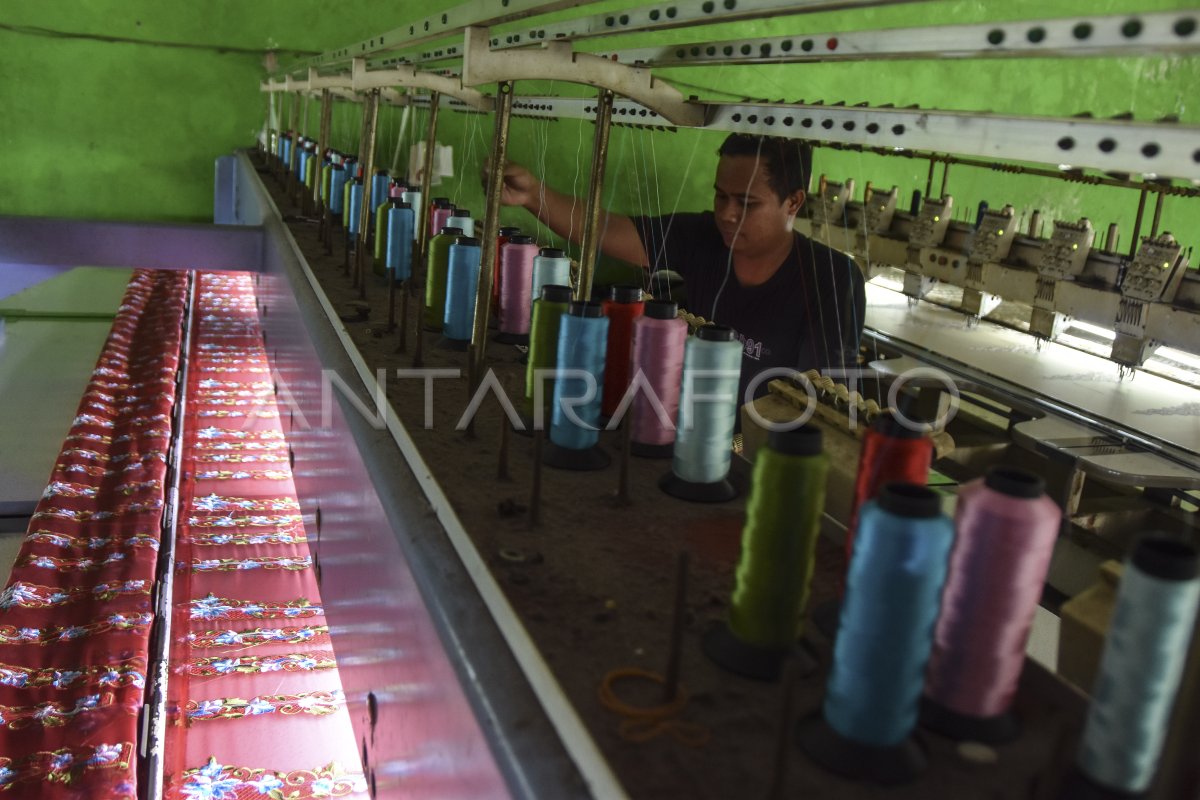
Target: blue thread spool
1140	671
551	267
462	283
355	200
337	182
582	343
708	405
893	592
400	224
302	164
379	187
461	218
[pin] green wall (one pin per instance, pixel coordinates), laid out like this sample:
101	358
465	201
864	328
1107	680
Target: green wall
117	130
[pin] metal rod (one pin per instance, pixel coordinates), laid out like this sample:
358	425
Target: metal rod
364	254
1158	207
502	473
590	241
293	124
945	175
678	623
1137	224
624	496
352	241
491	224
783	741
1111	238
929	178
322	144
423	224
535	493
1035	224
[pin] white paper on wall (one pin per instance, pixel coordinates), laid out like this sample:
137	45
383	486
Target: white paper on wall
443	162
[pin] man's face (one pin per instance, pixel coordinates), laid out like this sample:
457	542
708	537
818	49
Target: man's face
749	215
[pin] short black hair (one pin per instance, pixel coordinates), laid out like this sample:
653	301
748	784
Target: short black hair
788	161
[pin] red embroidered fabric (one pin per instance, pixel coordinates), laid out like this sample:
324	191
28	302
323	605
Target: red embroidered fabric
253	679
75	614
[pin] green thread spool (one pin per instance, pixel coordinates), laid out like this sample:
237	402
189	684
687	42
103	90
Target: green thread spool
326	179
310	171
548	311
774	573
346	201
381	212
435	277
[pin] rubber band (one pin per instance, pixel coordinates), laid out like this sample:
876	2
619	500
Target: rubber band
643	723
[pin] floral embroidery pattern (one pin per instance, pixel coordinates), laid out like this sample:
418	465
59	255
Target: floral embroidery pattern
292	662
254	520
34	595
66	765
214	781
319	704
242	458
264	562
126	673
213	446
53	512
69	564
257	636
218	433
51	714
215	502
10	634
247	538
43	536
213	607
241	475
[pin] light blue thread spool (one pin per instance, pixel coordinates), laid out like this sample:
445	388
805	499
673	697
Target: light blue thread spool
462	283
302	163
400	224
379	187
356	198
551	267
708	405
337	182
893	595
413	198
461	218
1143	662
582	344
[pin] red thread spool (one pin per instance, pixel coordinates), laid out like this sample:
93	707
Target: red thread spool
440	210
516	271
1006	529
506	233
623	306
891	451
658	347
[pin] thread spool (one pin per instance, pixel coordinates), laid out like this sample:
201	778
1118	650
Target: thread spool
398	189
516	272
623	307
354	198
379	187
1140	670
783	521
379	241
462	282
461	218
1006	528
503	236
707	414
337	184
550	266
301	164
440	210
548	311
658	344
413	198
312	168
400	224
891	451
435	277
886	634
346	204
582	339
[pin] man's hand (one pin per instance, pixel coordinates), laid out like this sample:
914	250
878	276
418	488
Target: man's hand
521	188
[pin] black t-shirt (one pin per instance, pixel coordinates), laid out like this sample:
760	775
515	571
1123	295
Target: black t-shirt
808	315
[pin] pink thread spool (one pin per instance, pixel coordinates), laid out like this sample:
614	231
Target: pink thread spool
440	210
1006	530
658	346
516	288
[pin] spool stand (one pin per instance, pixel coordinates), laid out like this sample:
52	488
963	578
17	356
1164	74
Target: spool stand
889	766
751	661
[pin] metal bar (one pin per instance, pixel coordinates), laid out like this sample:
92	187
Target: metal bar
322	142
293	123
491	227
423	226
1158	207
1108	35
589	245
437	25
363	254
1134	241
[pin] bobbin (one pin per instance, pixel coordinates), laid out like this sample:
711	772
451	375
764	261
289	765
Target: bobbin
717	491
586	459
514	237
656	309
446	342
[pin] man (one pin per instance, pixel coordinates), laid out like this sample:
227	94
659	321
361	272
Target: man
793	303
